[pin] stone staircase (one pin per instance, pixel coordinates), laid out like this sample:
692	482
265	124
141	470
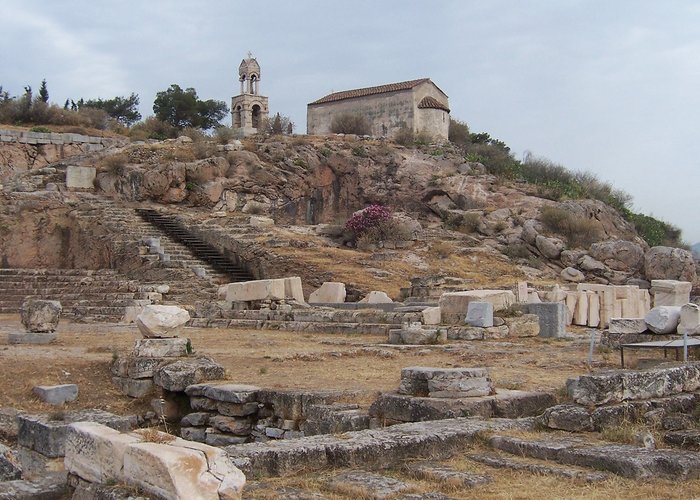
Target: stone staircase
183	245
95	295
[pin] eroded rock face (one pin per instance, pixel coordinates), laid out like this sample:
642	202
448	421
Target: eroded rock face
41	315
666	263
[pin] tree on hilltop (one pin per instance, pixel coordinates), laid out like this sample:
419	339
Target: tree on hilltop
183	108
122	109
44	92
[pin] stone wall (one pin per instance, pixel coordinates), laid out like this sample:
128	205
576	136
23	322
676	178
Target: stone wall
392	110
22	150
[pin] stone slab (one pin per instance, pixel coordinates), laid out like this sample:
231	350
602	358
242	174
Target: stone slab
627	325
37	338
329	293
162	347
134	388
271	289
56	394
539	469
368	448
80	177
446	475
46	434
453	305
479	314
230	393
50	485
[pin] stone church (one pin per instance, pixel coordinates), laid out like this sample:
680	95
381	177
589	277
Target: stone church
418	105
249	109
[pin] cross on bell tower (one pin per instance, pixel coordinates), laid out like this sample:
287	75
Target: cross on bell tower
249	108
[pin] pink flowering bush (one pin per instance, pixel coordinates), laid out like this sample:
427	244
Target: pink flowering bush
371	217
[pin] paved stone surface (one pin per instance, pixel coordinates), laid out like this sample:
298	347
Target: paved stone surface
688	439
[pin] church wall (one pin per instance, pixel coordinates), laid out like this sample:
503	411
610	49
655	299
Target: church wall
434	121
393	110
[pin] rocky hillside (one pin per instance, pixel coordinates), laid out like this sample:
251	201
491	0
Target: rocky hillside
453	218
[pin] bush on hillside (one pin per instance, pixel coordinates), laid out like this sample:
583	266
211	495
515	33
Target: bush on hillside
458	132
578	231
350	123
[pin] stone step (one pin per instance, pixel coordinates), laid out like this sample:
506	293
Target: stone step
533	467
386	447
624	460
295	326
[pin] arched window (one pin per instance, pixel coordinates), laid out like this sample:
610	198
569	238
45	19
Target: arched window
256	116
237	117
253	84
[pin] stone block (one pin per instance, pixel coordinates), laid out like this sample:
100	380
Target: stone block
31	338
42	434
134	388
238	426
376	297
670	292
56	394
363	484
593	309
272	289
627	325
95	452
329	293
198	434
182	469
162	347
80	177
431	316
180	374
552	317
215	438
40	316
414	336
236	409
689	320
479	314
136	368
663	319
230	393
597	389
527	325
567	417
293	289
162	321
581	309
454	305
445	382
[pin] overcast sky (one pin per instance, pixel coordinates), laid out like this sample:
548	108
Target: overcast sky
611	87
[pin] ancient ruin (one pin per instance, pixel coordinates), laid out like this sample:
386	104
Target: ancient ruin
189	320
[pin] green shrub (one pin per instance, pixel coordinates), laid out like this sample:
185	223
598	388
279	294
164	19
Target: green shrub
578	231
114	165
43	130
466	223
153	128
654	231
517	251
404	136
458	132
223	135
350	123
360	151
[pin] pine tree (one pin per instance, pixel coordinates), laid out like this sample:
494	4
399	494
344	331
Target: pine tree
44	91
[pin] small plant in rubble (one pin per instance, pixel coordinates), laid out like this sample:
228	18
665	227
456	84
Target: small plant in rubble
371	217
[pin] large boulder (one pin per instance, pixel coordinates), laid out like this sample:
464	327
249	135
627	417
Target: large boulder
549	247
41	316
667	263
689	320
619	255
156	321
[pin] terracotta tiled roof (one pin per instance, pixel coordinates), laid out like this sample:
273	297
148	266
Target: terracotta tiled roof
381	89
431	102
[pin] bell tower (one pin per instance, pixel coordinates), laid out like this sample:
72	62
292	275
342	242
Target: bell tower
249	108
